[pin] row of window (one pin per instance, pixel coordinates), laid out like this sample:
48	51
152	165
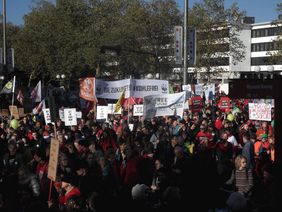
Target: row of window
272	31
268	46
256	61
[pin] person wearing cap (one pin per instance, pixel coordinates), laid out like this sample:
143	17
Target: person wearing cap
265	128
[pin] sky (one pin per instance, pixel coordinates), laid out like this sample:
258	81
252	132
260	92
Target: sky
262	10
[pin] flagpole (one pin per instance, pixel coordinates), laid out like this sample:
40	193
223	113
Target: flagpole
13	96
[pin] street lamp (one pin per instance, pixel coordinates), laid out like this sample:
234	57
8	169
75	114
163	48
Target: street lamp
60	76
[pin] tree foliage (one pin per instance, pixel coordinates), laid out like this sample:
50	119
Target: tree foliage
217	34
66	37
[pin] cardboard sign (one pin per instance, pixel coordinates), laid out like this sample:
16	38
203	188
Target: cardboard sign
260	111
14	111
102	112
47	116
224	103
70	117
21	112
53	160
138	110
196	104
5	112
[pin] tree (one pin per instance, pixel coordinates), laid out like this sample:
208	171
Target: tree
276	56
217	35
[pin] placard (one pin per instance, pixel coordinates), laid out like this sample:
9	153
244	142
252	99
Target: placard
70	117
61	114
131	127
21	112
14	111
53	160
138	110
102	112
260	111
224	103
78	114
196	104
5	112
111	109
47	116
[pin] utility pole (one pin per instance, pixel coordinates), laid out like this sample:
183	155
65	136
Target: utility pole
4	32
185	41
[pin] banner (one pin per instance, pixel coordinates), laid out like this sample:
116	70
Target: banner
260	111
224	103
138	110
133	88
61	114
87	88
102	113
164	105
47	116
196	104
70	117
53	160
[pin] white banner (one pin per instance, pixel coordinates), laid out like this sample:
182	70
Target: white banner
47	116
111	109
138	110
78	114
199	90
164	105
102	112
260	111
134	88
70	117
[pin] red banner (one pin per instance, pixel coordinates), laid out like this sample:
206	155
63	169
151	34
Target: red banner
87	88
224	103
196	104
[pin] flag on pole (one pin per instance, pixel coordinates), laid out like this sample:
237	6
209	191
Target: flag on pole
120	101
36	93
39	107
8	88
20	97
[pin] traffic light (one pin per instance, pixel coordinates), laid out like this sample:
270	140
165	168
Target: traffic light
192	46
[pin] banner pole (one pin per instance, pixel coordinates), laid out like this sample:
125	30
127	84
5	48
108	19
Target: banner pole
13	96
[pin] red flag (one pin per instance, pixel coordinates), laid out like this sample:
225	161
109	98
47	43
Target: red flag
87	89
20	96
36	92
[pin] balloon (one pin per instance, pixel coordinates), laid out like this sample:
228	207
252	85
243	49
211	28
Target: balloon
230	117
14	124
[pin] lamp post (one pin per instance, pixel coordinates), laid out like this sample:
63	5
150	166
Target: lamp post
185	41
60	78
4	31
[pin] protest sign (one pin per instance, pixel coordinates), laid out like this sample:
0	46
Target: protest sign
61	114
47	116
70	117
5	112
138	110
78	114
196	104
164	105
260	111
14	111
21	112
53	159
102	113
87	88
224	103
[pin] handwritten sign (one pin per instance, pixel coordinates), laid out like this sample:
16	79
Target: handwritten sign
260	111
70	117
53	160
102	112
47	116
138	110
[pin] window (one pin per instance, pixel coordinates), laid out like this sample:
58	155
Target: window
268	46
271	31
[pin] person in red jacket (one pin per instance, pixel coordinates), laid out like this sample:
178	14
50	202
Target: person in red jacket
67	190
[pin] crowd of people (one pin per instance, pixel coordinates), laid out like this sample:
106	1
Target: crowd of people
203	161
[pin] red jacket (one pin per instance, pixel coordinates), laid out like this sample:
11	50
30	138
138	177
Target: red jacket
64	198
